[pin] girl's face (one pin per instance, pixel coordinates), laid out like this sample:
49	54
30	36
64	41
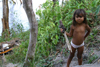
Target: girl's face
79	19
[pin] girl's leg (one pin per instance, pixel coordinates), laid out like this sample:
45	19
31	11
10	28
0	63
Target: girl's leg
79	54
71	56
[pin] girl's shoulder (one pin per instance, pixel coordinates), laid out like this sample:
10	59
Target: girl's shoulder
86	24
72	26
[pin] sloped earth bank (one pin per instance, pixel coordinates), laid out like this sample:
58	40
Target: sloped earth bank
91	55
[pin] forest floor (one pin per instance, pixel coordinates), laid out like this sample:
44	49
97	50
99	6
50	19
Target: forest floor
91	55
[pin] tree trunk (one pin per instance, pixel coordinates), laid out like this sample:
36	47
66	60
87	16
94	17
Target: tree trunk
27	4
20	2
5	19
62	2
54	2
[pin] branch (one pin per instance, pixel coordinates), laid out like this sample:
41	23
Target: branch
13	1
67	41
95	60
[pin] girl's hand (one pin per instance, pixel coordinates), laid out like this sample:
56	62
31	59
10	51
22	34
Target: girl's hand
61	29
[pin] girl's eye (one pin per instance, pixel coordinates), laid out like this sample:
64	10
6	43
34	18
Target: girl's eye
80	16
76	16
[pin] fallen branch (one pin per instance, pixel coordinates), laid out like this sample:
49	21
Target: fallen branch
92	54
57	52
96	60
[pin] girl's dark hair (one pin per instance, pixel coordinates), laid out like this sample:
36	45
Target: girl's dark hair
79	13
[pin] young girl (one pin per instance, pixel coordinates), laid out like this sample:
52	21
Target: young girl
78	32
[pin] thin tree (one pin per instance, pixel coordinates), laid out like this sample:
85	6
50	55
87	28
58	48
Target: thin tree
20	1
5	19
15	2
27	4
62	2
54	3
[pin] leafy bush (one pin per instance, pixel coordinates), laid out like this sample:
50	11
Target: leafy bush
48	31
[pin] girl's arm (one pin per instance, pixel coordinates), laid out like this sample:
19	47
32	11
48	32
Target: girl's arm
88	31
70	34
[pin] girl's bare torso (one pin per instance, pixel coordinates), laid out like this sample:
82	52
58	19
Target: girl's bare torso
78	34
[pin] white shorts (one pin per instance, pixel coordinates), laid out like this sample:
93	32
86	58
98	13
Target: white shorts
77	46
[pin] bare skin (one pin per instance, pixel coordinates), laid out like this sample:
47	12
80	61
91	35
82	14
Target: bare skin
78	34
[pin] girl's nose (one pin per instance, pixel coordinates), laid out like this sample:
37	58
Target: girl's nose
78	18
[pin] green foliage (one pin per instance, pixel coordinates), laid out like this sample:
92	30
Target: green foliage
19	53
92	57
91	39
48	29
16	28
92	9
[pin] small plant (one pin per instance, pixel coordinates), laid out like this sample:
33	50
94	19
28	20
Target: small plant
92	58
